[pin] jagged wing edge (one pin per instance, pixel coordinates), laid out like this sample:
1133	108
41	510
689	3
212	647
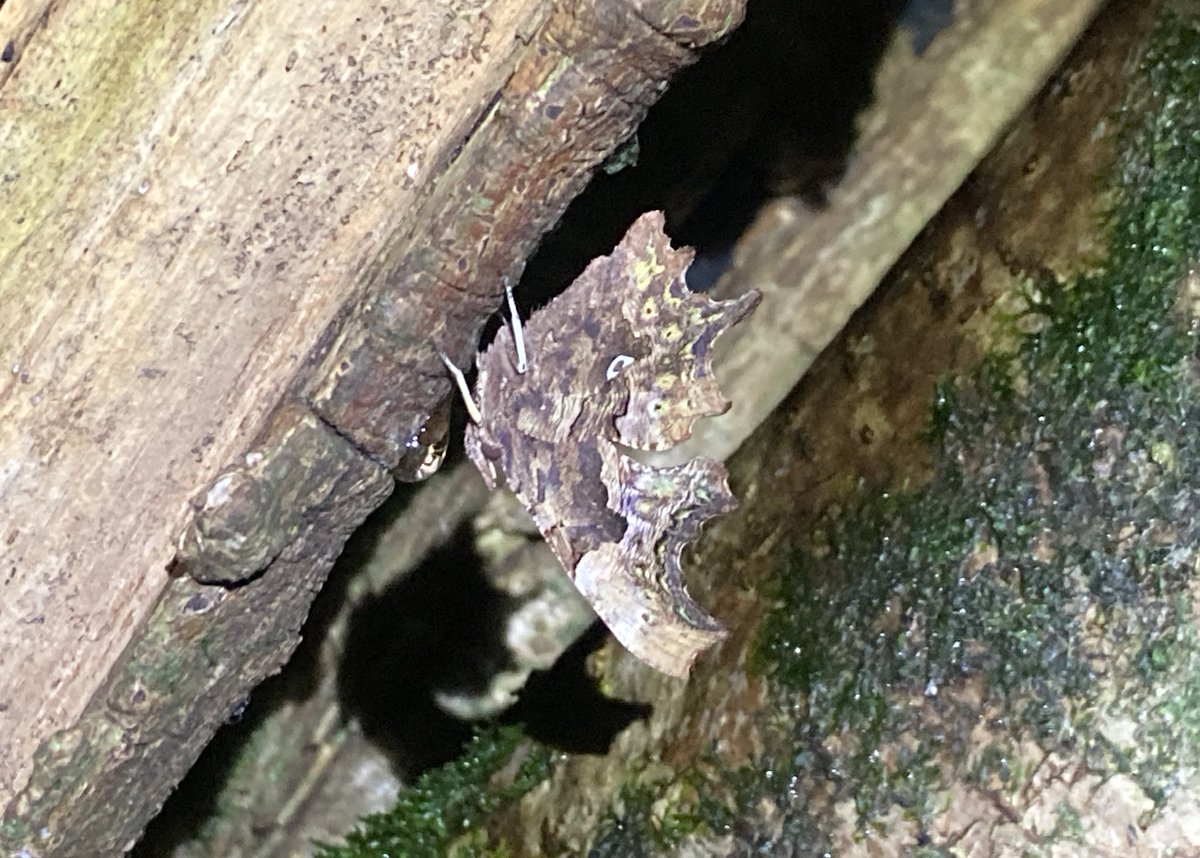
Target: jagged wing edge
636	586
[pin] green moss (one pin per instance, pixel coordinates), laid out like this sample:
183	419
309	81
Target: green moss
440	813
1069	825
1115	325
653	816
707	806
1060	523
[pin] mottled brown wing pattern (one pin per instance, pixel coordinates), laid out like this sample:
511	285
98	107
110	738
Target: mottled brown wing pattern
621	359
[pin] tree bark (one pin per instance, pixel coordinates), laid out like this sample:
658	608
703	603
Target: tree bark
233	235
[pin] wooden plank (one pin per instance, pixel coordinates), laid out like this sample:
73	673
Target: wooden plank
188	194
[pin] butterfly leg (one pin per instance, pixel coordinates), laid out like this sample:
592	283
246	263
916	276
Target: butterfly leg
518	331
461	381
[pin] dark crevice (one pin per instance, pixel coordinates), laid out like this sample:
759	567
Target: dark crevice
770	112
437	628
442	628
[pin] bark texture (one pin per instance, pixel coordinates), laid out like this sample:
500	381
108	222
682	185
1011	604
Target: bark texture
233	235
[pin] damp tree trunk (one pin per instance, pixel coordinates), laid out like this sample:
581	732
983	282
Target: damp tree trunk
232	237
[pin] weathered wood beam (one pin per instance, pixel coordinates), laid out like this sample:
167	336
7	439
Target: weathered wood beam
232	235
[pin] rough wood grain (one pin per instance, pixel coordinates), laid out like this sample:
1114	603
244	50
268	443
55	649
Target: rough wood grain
595	69
194	655
187	195
192	198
